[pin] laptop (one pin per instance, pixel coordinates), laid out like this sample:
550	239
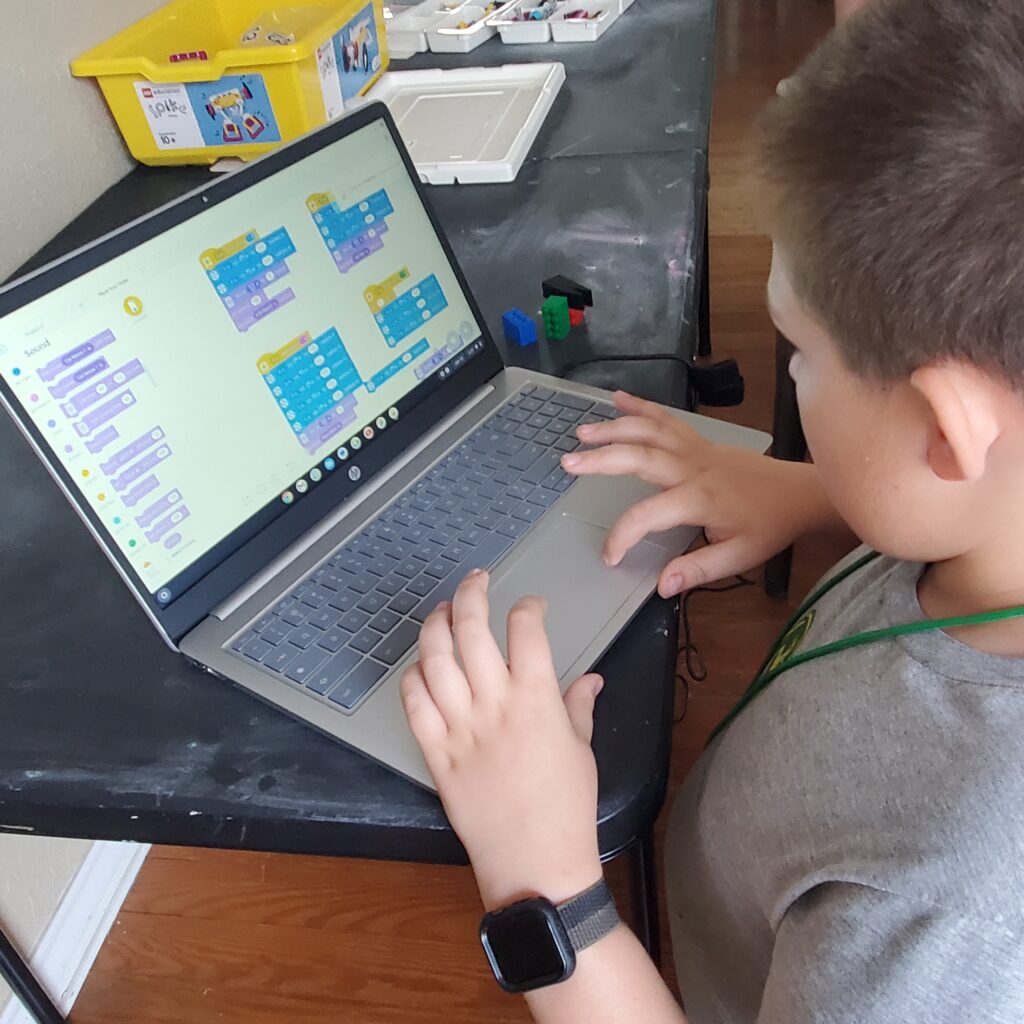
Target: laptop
277	408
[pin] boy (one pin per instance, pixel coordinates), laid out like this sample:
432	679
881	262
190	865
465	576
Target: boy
850	847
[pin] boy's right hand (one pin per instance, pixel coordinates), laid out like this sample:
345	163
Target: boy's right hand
751	506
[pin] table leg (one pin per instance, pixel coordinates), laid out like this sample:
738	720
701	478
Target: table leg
19	976
789	443
704	304
644	889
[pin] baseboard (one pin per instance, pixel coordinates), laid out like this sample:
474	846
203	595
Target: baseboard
73	938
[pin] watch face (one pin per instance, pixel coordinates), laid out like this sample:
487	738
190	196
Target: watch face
527	946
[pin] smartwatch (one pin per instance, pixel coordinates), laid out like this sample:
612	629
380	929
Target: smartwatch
533	943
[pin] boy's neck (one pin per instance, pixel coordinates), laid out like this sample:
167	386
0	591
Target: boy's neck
989	577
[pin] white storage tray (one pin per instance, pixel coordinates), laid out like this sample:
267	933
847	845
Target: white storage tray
578	30
512	31
470	125
447	37
407	32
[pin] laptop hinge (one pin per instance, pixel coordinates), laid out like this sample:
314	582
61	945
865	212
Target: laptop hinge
235	601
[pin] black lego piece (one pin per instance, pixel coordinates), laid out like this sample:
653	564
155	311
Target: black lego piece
579	295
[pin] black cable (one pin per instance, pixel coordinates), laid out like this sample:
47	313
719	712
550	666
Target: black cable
696	669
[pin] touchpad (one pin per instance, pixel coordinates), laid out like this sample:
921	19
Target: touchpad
561	561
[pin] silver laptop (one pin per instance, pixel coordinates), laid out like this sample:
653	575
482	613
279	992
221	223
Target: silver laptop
277	408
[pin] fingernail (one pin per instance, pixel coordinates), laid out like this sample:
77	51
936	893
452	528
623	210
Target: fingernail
570	460
598	686
474	572
584	429
672	585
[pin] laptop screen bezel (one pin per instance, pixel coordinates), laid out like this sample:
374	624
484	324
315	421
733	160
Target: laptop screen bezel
435	398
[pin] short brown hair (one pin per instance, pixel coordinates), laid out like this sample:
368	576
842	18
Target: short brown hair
893	169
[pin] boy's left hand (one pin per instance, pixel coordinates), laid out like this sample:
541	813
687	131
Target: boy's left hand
511	759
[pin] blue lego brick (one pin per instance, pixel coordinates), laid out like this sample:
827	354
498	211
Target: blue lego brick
519	328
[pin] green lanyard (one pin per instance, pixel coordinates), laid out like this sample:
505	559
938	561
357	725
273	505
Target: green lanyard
767	673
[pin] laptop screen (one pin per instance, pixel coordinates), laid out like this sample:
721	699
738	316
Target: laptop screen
198	386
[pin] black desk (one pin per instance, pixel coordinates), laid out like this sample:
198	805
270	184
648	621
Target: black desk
105	734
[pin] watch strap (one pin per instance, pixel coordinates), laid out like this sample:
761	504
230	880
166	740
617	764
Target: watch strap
589	916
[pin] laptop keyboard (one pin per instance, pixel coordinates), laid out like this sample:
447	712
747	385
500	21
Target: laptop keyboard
340	630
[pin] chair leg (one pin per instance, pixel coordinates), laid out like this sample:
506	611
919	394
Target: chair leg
789	444
19	976
644	888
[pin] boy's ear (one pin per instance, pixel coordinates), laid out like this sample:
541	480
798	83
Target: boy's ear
964	408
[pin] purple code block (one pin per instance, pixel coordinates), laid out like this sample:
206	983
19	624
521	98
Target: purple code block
173	541
246	316
68	384
137	447
75	355
140	490
107	411
144	465
168	523
102	439
89	396
328	425
158	508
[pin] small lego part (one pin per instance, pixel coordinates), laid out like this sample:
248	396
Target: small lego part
518	327
578	295
556	317
576	317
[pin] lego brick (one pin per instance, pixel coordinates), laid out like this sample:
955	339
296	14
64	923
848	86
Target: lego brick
555	312
577	295
576	317
518	327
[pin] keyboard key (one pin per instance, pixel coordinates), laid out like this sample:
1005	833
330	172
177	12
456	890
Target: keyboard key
489	521
543	394
526	389
518	415
325	618
551	409
510	446
609	412
473	536
385	621
566	444
415	534
344	601
526	432
422	585
569	417
541	468
357	684
362	584
409	569
365	640
404	603
264	622
572	401
306	664
391	586
277	632
458	522
528	513
281	658
439	568
547	438
317	597
334	639
394	647
257	649
525	458
543	497
294	615
350	561
519	492
504	506
432	520
513	528
373	602
328	675
304	636
457	551
354	620
539	420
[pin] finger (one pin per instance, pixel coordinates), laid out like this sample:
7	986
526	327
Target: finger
445	681
529	654
628	430
483	661
579	703
635	406
678	506
652	465
705	565
425	721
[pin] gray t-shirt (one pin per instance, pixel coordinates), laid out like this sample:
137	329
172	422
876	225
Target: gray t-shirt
851	849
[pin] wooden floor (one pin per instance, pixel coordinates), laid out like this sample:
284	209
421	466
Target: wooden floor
268	939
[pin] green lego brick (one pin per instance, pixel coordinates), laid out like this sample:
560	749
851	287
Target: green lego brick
555	312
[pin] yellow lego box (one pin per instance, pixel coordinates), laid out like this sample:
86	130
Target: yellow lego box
198	80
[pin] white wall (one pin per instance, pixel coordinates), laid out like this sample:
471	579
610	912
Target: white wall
60	150
60	146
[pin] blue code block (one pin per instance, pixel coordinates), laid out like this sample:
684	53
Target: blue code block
395	365
242	266
410	311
